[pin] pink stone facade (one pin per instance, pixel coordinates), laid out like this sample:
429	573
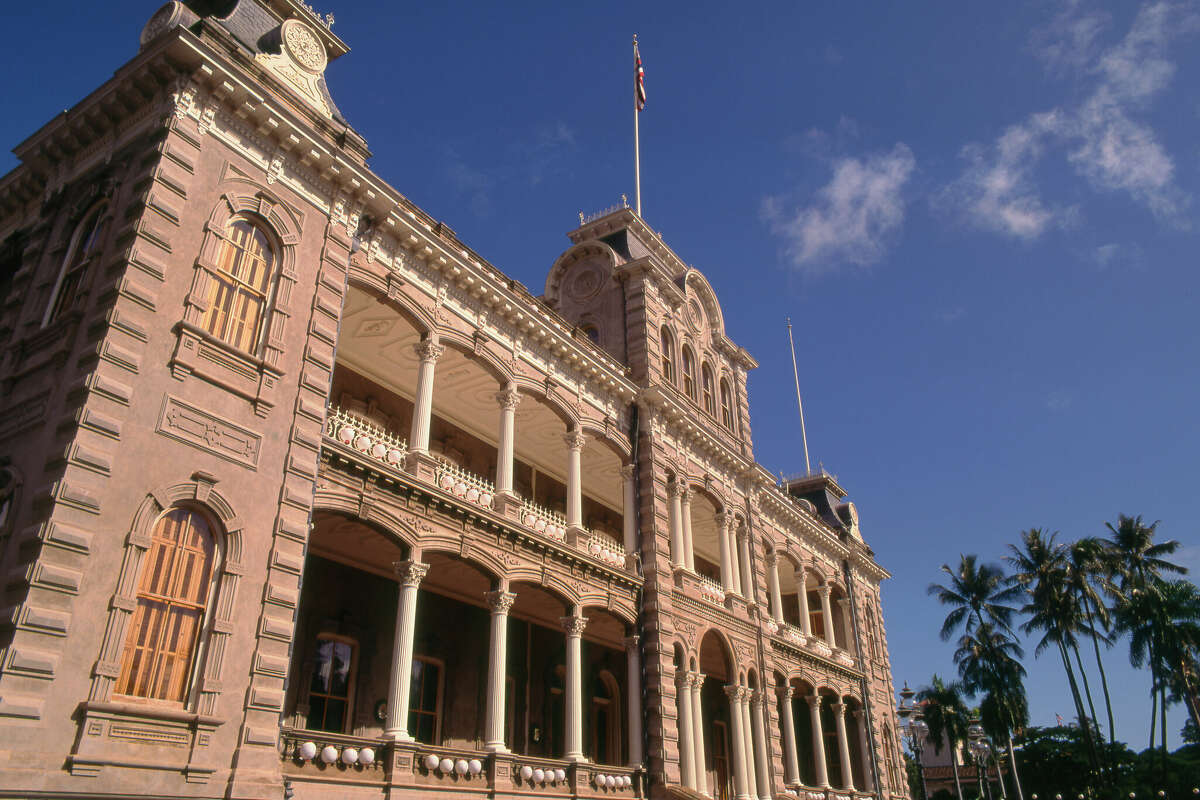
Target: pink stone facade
464	541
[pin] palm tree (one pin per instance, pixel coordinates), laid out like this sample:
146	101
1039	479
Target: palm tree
1136	562
978	595
989	664
946	714
1088	568
1162	619
1041	566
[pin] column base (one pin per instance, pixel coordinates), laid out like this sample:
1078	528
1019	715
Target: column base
400	737
421	465
577	536
497	748
508	505
578	758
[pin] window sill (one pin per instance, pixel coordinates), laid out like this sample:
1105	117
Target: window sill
199	353
143	736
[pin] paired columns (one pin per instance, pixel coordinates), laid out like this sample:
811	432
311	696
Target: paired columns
818	739
741	787
758	724
729	579
675	491
843	742
839	719
689	554
802	600
791	757
743	546
693	768
410	574
773	587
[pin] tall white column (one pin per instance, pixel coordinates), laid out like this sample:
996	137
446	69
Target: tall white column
791	757
839	719
687	745
685	508
750	751
773	587
629	512
802	601
574	441
827	615
728	571
573	626
633	699
500	602
864	750
428	351
698	735
409	574
818	738
674	495
743	540
758	723
508	400
741	787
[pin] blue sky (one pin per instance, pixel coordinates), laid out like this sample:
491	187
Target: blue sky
981	218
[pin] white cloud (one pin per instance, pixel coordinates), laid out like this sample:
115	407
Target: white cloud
1059	400
852	218
1188	556
1101	139
1114	255
997	191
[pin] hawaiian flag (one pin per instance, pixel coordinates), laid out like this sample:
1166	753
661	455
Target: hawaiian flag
639	81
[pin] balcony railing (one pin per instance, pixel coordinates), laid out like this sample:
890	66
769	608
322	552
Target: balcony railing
543	520
711	590
366	437
467	485
607	549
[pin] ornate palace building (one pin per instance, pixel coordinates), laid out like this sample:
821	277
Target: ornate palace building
300	497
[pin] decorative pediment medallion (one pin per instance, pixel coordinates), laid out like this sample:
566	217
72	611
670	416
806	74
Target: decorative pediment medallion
300	63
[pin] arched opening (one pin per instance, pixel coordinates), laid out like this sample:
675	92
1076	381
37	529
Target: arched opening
829	732
86	242
689	373
717	664
706	535
789	583
816	614
667	344
802	716
839	609
605	729
240	285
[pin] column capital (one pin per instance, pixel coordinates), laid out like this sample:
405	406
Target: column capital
786	692
508	398
838	707
631	643
743	533
772	559
500	602
684	679
858	713
698	679
627	471
573	625
757	697
428	351
814	700
843	602
723	519
677	488
824	589
574	440
410	572
734	693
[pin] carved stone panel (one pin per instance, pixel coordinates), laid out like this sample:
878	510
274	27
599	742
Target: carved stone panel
190	425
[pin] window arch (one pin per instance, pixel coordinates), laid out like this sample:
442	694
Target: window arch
171	608
689	372
708	389
86	242
667	342
726	405
591	332
240	285
604	738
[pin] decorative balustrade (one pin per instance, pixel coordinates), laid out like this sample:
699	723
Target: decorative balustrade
543	520
467	485
365	437
793	634
610	780
711	590
325	751
607	549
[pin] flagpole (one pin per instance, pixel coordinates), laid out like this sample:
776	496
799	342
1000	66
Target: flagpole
637	149
796	375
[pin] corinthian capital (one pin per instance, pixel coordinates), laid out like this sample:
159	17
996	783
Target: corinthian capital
410	573
428	351
500	602
509	398
574	440
574	625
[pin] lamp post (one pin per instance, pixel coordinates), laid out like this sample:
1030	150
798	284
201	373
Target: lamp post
979	749
914	725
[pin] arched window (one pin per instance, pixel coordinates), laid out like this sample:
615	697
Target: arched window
726	405
592	332
85	243
708	389
172	599
240	284
667	342
689	372
331	692
605	738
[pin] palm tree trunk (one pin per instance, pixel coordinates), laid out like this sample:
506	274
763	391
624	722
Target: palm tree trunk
1153	713
954	764
1162	711
1081	715
1112	730
1012	759
1087	688
1190	698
